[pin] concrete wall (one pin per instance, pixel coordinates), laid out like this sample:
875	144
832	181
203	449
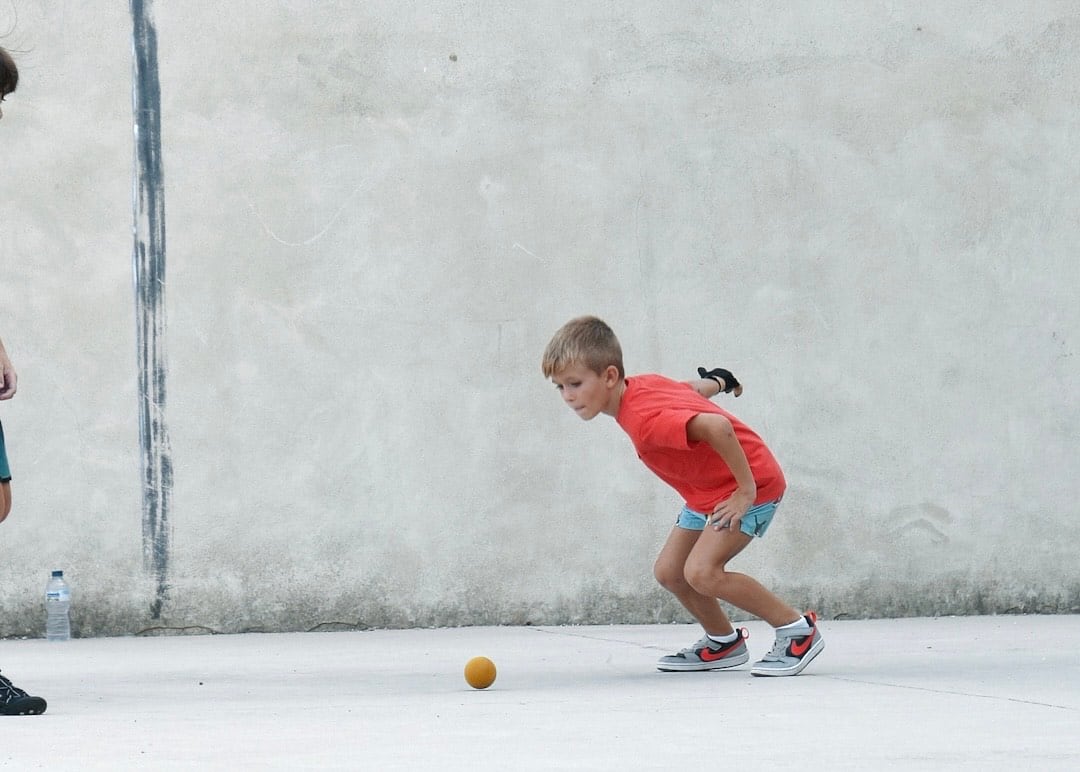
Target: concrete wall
379	212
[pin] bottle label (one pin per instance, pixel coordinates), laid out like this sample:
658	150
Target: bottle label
57	595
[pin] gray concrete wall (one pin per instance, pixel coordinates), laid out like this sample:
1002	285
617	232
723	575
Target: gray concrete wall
377	215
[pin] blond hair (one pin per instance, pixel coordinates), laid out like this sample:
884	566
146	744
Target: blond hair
586	341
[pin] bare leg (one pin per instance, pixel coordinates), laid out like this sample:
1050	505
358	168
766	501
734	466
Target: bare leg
706	572
670	571
5	500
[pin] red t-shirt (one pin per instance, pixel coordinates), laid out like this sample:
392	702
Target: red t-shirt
655	410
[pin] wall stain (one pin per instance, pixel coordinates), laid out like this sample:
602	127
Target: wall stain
149	279
927	519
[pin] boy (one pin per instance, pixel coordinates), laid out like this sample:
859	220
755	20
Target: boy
13	700
728	477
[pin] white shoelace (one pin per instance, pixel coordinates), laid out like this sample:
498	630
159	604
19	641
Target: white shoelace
778	648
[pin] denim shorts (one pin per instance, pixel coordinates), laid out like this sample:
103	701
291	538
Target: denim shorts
754	523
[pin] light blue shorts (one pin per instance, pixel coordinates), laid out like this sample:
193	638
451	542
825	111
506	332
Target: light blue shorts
754	523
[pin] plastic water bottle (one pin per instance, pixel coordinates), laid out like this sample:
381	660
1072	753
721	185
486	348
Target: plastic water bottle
57	608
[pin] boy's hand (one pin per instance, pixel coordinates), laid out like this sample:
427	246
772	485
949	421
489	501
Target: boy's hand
727	382
729	514
8	379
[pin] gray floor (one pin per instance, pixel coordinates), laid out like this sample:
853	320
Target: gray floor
972	693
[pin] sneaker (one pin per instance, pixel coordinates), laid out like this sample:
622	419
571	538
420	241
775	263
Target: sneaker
15	702
792	650
707	654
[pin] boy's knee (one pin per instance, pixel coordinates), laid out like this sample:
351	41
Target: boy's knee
695	576
705	578
669	577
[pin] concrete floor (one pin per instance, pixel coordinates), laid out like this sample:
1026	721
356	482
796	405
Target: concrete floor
977	693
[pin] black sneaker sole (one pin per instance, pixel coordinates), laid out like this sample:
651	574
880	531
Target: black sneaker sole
23	706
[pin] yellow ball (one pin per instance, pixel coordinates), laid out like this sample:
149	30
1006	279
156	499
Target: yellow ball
480	672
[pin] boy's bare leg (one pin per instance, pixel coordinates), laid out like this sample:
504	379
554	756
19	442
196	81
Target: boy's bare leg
670	571
706	572
5	500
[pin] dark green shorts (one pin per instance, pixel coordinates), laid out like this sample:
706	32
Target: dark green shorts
5	470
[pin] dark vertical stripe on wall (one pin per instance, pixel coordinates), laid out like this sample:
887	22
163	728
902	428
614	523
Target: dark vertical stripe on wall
149	280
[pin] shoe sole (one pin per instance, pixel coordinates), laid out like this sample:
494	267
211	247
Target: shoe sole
817	648
694	667
24	706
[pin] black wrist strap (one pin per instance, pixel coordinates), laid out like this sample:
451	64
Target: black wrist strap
727	385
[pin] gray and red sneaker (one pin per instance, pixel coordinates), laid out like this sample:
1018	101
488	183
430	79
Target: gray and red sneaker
792	650
707	654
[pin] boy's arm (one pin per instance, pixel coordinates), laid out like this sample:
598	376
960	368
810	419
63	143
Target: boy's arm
709	383
716	430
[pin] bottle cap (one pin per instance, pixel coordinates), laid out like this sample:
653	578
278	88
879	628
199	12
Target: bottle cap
57	573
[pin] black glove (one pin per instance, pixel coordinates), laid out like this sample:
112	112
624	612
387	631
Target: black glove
729	382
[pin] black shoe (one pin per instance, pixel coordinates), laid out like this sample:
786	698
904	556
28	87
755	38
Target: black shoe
15	702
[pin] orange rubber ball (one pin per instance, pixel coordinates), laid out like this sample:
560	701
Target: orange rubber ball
480	672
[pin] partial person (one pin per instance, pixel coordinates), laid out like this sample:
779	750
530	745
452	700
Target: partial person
13	700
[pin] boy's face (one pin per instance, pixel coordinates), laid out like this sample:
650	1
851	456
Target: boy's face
587	393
